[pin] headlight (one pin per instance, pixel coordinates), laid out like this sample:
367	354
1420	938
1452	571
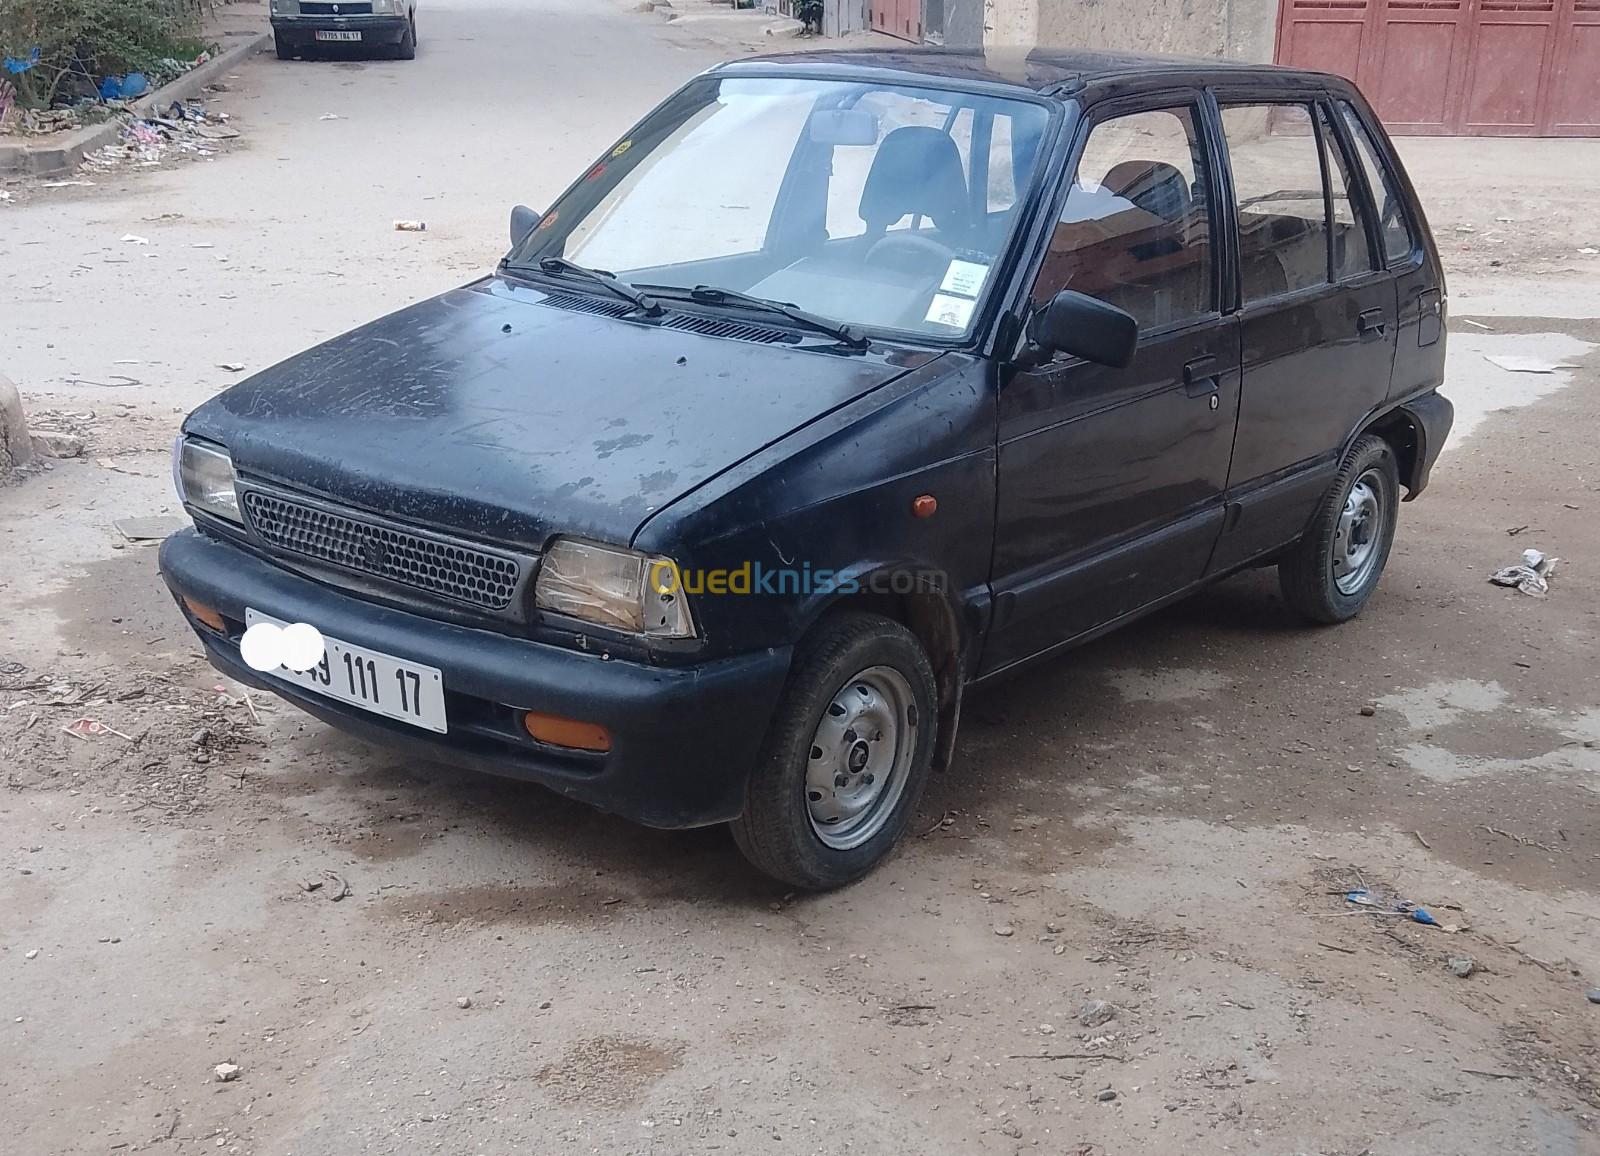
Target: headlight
286	7
609	586
204	477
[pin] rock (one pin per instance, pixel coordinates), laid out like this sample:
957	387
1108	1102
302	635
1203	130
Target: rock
1593	995
34	954
16	449
1462	966
544	1005
1004	930
225	1073
463	1002
201	737
1012	1128
53	444
1096	1012
1368	711
1106	1096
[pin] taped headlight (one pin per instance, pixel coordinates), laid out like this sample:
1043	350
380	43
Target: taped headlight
204	476
610	586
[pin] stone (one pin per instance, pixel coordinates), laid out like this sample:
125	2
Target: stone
54	444
544	1005
1097	1012
16	449
464	1002
1004	930
225	1073
1106	1096
1461	966
1368	711
1593	995
34	954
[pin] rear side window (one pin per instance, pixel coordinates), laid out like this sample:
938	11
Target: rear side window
1397	240
1283	208
1351	254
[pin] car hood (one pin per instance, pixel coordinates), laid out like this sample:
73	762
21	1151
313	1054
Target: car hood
492	412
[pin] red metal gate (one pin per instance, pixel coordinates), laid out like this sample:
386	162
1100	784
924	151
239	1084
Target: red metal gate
1477	67
902	18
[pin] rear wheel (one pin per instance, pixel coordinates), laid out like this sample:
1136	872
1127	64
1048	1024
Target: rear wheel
1331	572
847	755
407	48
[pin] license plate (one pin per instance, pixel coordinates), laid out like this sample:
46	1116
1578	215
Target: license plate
322	35
396	688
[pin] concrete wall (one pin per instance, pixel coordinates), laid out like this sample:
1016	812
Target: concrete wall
1241	29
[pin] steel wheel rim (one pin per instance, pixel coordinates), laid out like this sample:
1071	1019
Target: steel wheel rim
1358	538
860	757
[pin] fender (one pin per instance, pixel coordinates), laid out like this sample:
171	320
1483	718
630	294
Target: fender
1418	427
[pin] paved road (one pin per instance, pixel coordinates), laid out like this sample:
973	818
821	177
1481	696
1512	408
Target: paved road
1161	820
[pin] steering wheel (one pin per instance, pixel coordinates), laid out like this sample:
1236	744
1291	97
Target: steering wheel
908	252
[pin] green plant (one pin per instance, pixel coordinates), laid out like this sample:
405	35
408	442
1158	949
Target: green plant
89	39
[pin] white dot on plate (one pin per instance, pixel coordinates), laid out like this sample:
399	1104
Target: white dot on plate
262	647
303	646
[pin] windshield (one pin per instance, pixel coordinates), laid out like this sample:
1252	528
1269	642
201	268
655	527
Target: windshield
877	206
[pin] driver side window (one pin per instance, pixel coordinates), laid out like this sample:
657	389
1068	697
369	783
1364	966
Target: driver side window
1135	231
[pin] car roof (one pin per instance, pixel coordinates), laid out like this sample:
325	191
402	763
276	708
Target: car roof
1046	70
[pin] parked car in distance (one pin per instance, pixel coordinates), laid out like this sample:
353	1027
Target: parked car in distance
842	383
298	25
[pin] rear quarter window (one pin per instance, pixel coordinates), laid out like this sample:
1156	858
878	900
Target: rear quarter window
1398	242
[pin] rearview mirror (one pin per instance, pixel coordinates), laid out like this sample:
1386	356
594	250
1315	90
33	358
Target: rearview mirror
843	126
1078	324
523	221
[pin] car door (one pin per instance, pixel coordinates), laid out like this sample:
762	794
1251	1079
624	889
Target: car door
1110	480
1317	317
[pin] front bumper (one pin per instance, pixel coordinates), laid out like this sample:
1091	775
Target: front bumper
683	738
300	31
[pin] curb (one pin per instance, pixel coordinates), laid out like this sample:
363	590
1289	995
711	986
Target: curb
66	154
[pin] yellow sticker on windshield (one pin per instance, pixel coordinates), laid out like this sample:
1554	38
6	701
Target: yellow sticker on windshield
622	148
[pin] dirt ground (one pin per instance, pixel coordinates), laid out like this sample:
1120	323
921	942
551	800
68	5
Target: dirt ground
1167	820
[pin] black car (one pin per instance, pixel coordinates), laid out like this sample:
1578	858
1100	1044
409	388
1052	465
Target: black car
842	383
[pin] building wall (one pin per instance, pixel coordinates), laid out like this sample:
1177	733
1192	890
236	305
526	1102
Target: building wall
1241	29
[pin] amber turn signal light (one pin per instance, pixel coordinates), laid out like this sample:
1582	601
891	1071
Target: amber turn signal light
924	505
567	732
205	614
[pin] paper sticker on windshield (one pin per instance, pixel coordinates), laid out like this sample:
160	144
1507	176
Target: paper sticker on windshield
952	311
965	278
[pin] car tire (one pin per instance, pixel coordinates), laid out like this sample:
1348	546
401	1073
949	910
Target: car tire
285	49
407	48
1330	573
829	797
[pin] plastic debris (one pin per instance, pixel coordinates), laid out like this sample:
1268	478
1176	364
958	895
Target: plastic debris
411	226
134	239
231	366
1532	576
225	1073
148	529
1420	915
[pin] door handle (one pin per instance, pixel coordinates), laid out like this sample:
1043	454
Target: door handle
1370	324
1199	376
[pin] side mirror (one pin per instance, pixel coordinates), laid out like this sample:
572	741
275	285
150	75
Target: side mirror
1078	324
523	221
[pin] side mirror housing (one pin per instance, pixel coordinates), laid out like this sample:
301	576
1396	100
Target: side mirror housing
1078	324
523	221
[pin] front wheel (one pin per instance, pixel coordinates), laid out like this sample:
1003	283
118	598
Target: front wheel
847	756
1331	572
407	48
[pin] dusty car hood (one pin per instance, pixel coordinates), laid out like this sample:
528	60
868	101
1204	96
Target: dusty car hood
489	413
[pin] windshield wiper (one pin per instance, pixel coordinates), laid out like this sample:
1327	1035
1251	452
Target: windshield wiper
712	295
560	266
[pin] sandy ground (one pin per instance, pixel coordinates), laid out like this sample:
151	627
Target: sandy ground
1165	820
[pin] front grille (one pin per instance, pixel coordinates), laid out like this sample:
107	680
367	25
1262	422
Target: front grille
343	8
356	542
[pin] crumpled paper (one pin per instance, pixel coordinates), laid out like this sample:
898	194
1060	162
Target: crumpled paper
1532	576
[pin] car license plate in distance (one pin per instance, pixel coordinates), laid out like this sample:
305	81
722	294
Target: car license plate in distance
396	688
324	35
